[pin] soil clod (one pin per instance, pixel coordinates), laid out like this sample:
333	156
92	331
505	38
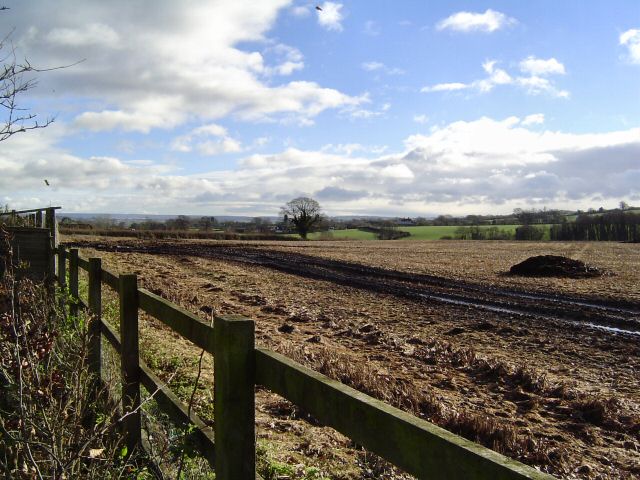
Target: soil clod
456	331
286	328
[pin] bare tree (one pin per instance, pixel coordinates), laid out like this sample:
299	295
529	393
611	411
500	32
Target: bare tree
303	212
17	77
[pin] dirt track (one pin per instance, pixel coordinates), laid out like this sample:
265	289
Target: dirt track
619	316
524	360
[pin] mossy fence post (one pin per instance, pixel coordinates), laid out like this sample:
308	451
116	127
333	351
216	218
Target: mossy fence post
73	282
62	276
50	223
129	360
234	398
95	312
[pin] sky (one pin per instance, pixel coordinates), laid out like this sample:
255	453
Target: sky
403	108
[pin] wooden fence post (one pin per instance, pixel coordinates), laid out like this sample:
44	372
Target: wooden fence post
50	217
74	286
234	398
62	276
62	267
129	359
39	219
95	310
50	223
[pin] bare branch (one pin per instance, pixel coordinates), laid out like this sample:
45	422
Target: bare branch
14	82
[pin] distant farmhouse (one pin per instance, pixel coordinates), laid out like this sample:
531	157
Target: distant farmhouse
406	222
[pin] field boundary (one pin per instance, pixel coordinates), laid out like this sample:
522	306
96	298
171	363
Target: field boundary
416	446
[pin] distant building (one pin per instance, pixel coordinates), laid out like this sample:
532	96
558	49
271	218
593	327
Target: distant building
405	222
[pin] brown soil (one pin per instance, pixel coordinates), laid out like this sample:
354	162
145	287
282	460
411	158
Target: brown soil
555	395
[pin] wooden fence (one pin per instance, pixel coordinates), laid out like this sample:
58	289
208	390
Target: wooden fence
414	445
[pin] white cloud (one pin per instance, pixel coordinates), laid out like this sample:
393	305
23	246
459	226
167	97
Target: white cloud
371	28
445	87
200	139
422	118
290	59
534	84
486	22
540	67
540	85
287	68
86	35
397	171
357	112
261	141
363	113
497	76
300	11
330	17
225	145
143	115
533	119
372	66
159	67
36	156
351	148
381	67
211	129
631	40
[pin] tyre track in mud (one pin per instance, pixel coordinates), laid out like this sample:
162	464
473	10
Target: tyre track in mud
622	318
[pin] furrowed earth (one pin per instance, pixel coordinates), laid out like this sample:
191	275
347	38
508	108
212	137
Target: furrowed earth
531	367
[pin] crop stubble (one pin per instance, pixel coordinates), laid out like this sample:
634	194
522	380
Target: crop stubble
560	398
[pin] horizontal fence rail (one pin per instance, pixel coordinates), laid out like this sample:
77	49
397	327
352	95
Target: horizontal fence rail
176	410
32	210
178	319
414	445
109	279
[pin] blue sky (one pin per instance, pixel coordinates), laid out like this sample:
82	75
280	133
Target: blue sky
372	107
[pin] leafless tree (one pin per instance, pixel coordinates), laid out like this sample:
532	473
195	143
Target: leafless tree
303	212
17	77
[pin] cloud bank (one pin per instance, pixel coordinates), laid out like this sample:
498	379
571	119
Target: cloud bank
480	165
157	68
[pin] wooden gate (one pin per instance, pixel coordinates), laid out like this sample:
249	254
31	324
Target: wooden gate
32	237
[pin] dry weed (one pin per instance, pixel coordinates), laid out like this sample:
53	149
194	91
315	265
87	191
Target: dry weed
491	432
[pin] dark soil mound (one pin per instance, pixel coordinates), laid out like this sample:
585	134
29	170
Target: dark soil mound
554	266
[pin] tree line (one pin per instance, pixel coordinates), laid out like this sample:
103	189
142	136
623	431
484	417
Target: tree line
618	226
304	215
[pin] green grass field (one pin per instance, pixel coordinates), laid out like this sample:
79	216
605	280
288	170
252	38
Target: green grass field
417	233
351	234
437	232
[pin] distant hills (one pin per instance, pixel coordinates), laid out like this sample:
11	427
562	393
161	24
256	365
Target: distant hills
136	217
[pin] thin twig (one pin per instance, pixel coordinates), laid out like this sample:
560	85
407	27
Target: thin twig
190	406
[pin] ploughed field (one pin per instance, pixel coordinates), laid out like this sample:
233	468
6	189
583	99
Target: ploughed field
545	370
